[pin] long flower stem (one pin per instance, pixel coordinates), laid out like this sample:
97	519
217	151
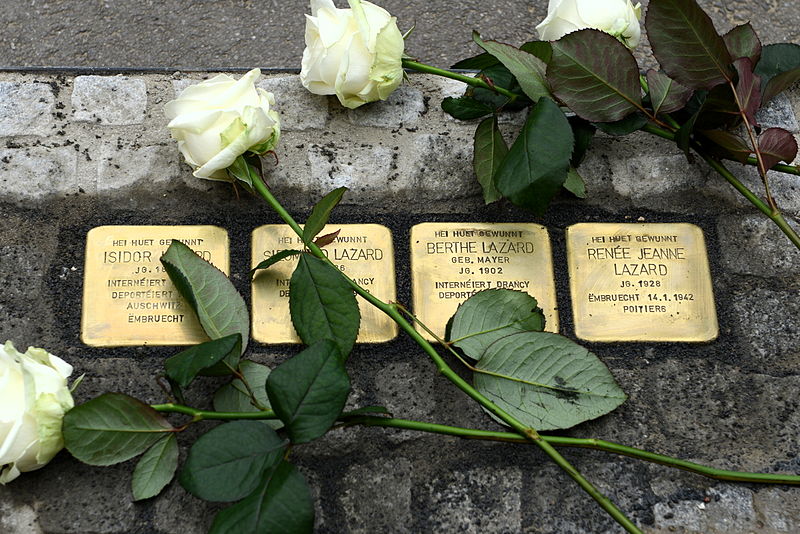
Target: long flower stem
529	433
776	216
469	80
510	437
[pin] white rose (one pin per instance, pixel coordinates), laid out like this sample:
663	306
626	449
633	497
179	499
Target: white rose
220	119
33	400
355	54
619	18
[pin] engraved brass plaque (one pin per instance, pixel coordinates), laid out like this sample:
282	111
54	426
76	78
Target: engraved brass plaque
128	299
364	252
640	282
450	262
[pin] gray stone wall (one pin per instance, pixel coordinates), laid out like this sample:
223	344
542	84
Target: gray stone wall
78	151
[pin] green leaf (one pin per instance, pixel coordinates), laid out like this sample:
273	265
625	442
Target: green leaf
280	505
219	307
535	168
727	145
479	62
776	59
275	258
234	396
779	83
320	214
686	45
112	428
574	183
309	391
243	171
541	49
666	95
626	126
322	304
490	149
186	365
742	41
227	463
595	75
776	144
465	108
155	469
528	69
554	383
583	132
492	314
498	76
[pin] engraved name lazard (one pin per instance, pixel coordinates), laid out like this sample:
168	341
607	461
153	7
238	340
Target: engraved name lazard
450	262
640	282
364	252
128	298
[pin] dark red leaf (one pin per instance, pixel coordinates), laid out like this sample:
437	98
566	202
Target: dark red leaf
727	145
748	89
666	94
327	239
686	44
742	41
776	144
595	75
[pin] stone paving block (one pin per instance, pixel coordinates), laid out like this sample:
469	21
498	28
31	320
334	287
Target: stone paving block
644	178
37	172
70	497
772	344
442	167
176	511
475	501
376	497
778	508
17	518
406	390
741	235
109	100
785	188
366	170
403	108
26	109
121	167
778	113
298	108
729	510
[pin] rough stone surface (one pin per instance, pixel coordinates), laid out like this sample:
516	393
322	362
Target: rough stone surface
378	498
26	109
299	110
36	172
110	100
731	403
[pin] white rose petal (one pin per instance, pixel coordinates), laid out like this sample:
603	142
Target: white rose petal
355	54
33	400
220	119
619	18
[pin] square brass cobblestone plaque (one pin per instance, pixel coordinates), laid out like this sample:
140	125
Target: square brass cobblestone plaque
364	252
128	299
450	262
640	282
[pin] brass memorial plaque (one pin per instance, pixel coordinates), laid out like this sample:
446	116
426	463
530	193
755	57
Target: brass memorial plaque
640	282
128	299
364	252
450	262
